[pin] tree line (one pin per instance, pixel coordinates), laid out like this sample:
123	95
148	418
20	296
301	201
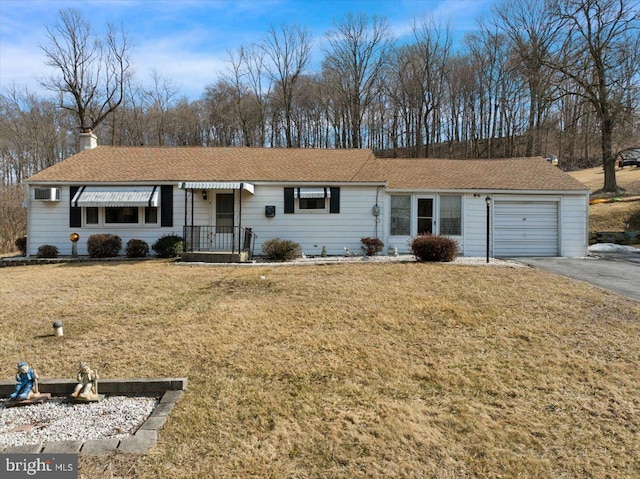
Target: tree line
555	77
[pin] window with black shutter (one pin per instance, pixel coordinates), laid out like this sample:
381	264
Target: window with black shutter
312	200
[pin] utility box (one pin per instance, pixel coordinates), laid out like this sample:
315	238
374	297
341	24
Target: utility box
270	211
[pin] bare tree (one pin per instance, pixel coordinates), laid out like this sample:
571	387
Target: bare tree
258	85
598	38
159	101
13	217
249	110
416	84
356	55
289	51
32	135
531	32
92	71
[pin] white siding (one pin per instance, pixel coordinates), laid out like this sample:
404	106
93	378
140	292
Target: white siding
48	223
334	231
574	225
475	225
402	242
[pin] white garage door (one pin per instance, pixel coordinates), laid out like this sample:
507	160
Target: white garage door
525	228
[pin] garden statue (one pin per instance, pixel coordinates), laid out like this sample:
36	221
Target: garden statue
87	388
26	391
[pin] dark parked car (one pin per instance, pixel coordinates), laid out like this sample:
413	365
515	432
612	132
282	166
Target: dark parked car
629	157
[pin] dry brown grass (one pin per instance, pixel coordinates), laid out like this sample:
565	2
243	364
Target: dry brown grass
627	178
615	216
612	216
354	370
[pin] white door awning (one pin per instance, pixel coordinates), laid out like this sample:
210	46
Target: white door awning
312	192
216	185
116	196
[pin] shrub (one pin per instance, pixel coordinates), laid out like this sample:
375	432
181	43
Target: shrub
21	244
47	251
168	246
433	248
137	248
276	249
371	246
104	245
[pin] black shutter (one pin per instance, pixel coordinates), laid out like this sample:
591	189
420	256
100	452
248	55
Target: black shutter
288	200
75	212
166	205
334	205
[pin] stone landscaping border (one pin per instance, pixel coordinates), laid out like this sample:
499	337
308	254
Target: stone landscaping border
171	390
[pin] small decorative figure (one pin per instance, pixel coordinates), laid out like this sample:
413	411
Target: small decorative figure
27	386
26	391
87	388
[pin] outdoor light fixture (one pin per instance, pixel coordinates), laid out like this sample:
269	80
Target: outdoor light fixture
204	195
57	328
487	200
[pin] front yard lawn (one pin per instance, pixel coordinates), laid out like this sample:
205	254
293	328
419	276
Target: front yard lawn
349	370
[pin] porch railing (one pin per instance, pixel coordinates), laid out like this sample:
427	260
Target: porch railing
219	238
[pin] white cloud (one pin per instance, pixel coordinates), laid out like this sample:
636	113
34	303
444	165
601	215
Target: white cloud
187	41
189	71
22	64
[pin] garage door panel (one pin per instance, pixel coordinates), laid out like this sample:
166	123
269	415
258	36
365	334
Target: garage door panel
526	228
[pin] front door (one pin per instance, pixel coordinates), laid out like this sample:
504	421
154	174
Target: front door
224	221
425	215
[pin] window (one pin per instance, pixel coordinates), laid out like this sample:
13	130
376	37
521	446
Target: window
121	215
91	215
451	215
131	215
401	215
151	215
425	215
312	200
224	212
312	203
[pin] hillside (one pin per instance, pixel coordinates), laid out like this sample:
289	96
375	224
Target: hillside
616	216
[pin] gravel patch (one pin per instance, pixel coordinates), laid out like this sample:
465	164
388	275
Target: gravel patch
57	420
318	260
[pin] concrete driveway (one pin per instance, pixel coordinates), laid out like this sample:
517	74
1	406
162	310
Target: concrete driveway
617	272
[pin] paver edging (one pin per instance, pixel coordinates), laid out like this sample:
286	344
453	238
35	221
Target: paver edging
143	438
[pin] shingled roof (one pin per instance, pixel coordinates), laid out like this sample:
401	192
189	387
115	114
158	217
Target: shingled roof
106	164
524	174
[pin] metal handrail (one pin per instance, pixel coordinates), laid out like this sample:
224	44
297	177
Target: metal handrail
219	238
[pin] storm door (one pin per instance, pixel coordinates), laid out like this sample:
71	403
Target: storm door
224	221
425	215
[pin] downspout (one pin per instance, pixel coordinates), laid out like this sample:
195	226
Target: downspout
240	236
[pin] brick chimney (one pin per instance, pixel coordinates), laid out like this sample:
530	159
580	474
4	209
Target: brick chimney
87	141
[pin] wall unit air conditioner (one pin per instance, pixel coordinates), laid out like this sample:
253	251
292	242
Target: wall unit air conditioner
46	194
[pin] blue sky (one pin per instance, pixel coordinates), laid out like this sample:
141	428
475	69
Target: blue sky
188	40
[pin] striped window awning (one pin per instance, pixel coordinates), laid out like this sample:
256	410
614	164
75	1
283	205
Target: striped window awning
116	196
312	192
216	185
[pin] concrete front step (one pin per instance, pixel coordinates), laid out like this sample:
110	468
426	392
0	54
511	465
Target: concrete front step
215	257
